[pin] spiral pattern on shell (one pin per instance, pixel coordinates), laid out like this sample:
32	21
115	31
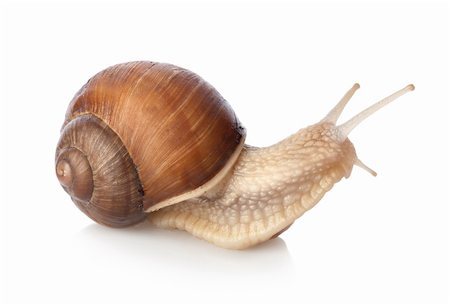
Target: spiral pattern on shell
94	167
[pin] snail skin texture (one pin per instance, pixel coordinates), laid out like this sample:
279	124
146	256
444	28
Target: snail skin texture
150	140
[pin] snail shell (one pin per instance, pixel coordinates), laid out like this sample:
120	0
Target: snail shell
140	136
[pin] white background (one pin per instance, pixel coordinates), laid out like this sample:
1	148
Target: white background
282	66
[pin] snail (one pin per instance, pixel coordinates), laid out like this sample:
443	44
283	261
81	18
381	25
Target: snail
152	140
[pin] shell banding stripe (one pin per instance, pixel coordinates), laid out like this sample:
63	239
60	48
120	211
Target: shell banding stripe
117	194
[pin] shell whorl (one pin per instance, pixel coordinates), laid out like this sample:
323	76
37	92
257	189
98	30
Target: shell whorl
94	167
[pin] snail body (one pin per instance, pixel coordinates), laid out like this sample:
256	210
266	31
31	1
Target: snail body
150	140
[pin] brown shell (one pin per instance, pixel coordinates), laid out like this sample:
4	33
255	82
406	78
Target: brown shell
177	129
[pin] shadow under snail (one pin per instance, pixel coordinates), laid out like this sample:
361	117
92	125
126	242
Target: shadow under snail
151	140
